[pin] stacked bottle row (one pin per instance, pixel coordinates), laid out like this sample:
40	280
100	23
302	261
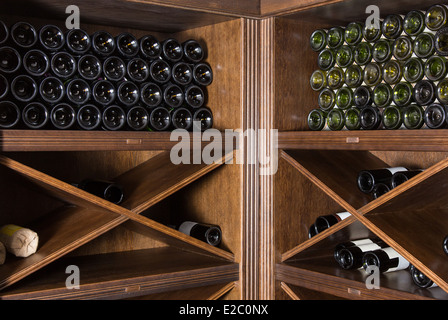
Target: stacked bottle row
391	75
52	79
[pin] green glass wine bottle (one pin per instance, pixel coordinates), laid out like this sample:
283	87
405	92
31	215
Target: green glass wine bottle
372	34
370	118
326	59
436	17
424	45
402	94
326	99
335	78
413	117
402	48
317	119
442	92
392	26
362	96
336	119
318	40
382	95
353	33
353	119
392	72
392	117
344	98
424	93
435	116
413	70
435	68
382	50
414	23
353	76
441	41
344	56
363	53
372	74
318	80
335	37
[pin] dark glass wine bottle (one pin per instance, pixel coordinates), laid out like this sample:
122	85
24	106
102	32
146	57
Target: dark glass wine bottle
24	88
363	53
107	190
90	67
10	60
436	17
63	65
51	90
9	114
51	37
402	95
413	117
370	118
317	119
326	59
203	119
172	50
386	259
173	95
151	94
435	116
392	72
137	118
182	74
194	96
63	116
128	93
435	68
23	34
335	37
36	63
353	243
372	34
392	26
159	118
353	119
78	42
193	51
402	48
392	117
424	92
336	119
424	45
351	257
353	76
137	70
202	74
362	96
114	68
318	40
344	56
368	179
113	118
372	74
78	91
127	45
414	23
4	32
326	99
403	176
379	190
103	43
88	117
150	47
344	98
104	92
353	33
318	80
326	221
413	70
208	233
160	71
35	115
335	78
382	50
442	91
182	118
445	245
441	42
420	279
382	95
312	231
4	86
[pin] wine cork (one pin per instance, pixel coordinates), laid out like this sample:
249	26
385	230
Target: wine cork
2	253
22	242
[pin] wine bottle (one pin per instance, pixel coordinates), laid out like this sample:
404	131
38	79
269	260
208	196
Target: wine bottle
24	88
90	67
421	279
107	190
51	90
413	70
208	233
414	23
160	71
382	50
386	259
113	118
104	92
353	243
194	96
353	119
24	35
372	74
367	179
435	68
137	118
172	50
128	93
63	65
442	91
35	115
424	92
435	116
344	56
51	38
382	95
402	48
193	52
413	117
4	86
78	42
372	34
353	33
351	257
151	94
137	70
203	118
441	42
326	99
88	117
63	116
403	176
78	91
362	96
317	119
127	45
312	231
425	45
103	44
379	190
4	32
370	118
335	78
159	118
318	40
114	68
402	95
392	26
202	74
326	60
182	74
436	17
336	119
353	76
150	47
344	98
392	117
326	221
445	245
9	114
181	118
36	63
173	95
335	37
10	60
392	72
363	53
